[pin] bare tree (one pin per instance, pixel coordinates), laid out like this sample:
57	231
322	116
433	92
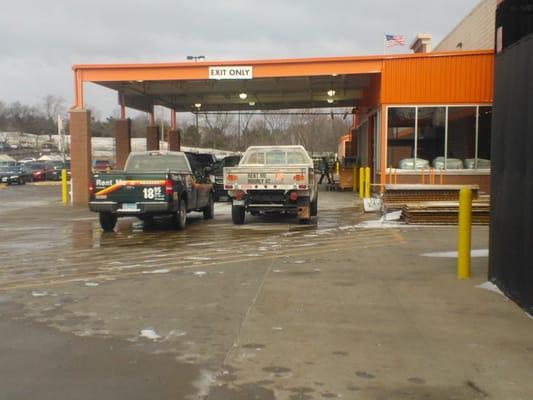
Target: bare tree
217	126
53	106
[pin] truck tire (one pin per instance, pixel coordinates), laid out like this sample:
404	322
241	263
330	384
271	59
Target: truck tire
181	215
148	221
209	210
314	207
108	221
237	214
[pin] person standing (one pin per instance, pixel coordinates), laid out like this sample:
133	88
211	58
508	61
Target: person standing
324	170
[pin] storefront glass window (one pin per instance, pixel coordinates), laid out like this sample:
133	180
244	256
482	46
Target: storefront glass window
431	136
400	135
445	137
461	137
484	132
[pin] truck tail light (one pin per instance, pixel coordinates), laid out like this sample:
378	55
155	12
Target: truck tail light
169	187
91	187
228	186
293	196
231	178
302	186
298	178
239	194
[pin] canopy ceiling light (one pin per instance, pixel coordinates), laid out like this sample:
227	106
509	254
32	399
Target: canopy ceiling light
251	103
330	101
243	96
331	93
198	105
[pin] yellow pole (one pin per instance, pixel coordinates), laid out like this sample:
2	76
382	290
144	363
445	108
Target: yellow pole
337	168
367	182
64	188
361	182
464	234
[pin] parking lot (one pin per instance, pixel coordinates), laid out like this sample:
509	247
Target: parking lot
340	308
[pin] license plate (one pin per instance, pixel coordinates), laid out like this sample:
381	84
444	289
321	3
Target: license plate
238	202
129	207
4	179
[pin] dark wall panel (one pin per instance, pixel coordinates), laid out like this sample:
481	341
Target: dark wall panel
511	236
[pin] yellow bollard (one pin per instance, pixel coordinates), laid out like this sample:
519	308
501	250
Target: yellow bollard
367	182
361	182
464	233
337	169
64	188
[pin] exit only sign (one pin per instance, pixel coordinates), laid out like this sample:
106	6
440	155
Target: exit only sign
234	72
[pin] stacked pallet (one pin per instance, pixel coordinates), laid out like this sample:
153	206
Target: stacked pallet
396	196
443	213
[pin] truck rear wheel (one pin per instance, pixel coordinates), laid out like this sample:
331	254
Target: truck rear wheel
181	215
209	210
314	207
108	221
237	214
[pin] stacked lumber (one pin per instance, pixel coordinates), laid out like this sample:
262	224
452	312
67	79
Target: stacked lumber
444	213
396	196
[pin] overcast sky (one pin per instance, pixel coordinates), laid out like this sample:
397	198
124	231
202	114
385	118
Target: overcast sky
41	39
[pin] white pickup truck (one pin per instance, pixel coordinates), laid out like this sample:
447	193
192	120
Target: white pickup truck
273	179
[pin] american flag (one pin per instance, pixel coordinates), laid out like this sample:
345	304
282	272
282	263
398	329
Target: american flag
394	40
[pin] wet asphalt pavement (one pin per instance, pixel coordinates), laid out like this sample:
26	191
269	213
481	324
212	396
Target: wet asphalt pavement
267	310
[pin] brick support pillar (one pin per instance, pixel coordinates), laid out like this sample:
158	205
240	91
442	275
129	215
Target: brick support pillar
152	137
122	141
80	155
174	140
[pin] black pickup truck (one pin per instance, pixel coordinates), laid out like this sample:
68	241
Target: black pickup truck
152	183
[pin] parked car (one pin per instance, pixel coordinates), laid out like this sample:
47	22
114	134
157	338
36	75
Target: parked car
102	165
16	174
217	176
27	161
152	183
54	172
39	170
273	179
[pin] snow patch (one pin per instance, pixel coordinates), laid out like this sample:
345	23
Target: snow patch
149	334
92	284
490	287
157	271
201	244
197	258
199	273
453	254
39	294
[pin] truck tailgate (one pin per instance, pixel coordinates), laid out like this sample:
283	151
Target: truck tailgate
269	178
129	188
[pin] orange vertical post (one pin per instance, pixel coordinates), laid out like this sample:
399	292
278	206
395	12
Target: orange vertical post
383	147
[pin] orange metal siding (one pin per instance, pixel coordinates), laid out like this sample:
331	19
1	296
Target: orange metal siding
438	80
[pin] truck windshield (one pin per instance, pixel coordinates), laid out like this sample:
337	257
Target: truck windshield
275	157
157	162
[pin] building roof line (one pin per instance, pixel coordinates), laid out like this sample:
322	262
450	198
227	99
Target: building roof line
279	61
